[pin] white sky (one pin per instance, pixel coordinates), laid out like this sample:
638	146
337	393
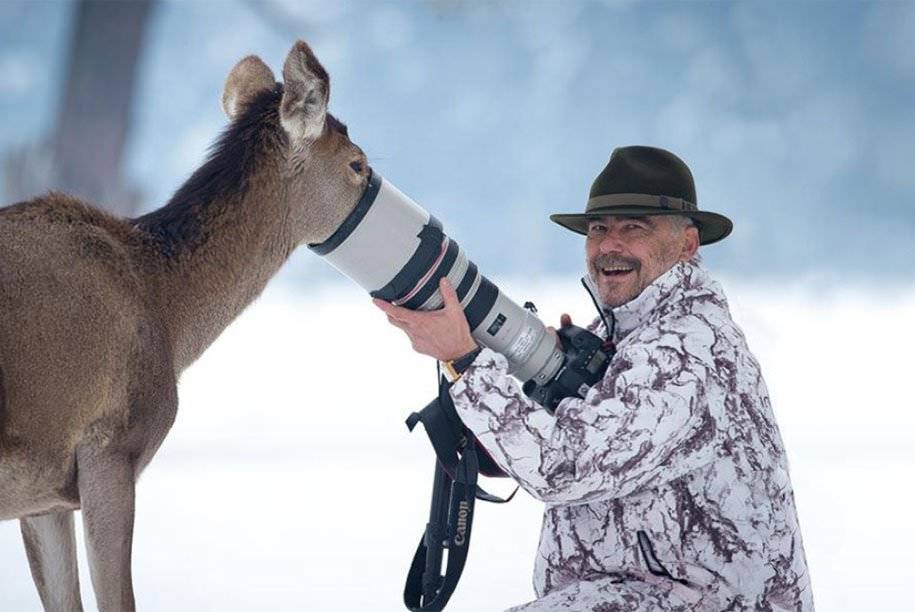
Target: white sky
794	117
290	482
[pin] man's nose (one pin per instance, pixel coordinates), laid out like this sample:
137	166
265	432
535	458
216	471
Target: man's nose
610	243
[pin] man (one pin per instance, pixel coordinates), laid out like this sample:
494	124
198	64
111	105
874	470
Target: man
666	487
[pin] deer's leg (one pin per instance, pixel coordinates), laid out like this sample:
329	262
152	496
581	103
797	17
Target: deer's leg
50	545
106	490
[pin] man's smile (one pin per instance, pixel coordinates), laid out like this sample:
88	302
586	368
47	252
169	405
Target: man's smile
617	271
615	267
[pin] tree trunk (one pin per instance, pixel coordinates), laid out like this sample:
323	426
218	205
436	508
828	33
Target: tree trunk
84	153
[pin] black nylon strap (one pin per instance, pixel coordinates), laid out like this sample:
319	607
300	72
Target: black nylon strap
448	436
457	541
453	499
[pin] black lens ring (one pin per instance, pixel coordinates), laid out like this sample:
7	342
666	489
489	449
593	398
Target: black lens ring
430	247
352	220
481	303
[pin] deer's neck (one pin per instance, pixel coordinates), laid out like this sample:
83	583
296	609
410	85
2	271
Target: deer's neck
204	291
215	246
201	289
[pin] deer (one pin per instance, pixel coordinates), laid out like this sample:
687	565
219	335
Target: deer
100	315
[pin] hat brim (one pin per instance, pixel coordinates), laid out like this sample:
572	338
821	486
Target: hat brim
712	226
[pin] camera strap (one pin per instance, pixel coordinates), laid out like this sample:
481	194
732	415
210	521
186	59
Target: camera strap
454	492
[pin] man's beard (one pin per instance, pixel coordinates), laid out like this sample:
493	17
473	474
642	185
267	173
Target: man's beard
613	261
615	265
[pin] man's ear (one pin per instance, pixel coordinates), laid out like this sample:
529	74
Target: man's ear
306	89
250	77
691	244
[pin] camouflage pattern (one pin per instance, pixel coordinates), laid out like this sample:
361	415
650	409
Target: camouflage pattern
666	487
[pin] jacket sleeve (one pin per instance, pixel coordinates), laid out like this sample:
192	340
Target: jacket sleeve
645	423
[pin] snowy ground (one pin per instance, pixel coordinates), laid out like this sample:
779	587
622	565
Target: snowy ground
289	481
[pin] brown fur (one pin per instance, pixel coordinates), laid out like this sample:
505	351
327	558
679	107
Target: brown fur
100	315
2	408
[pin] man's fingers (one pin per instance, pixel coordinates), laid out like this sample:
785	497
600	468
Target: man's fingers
449	295
396	312
397	322
381	304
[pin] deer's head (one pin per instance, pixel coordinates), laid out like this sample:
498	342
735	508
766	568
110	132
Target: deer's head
312	166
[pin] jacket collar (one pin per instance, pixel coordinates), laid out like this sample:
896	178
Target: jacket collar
686	279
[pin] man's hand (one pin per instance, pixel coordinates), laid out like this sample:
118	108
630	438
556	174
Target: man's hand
443	334
564	321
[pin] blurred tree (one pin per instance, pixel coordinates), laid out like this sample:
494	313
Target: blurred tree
84	154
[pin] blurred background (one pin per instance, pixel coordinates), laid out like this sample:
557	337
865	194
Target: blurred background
289	480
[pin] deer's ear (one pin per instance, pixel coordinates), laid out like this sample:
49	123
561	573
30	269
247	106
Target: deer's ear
306	89
250	77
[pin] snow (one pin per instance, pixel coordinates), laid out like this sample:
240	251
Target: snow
289	480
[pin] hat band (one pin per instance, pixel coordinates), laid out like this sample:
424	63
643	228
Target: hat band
639	199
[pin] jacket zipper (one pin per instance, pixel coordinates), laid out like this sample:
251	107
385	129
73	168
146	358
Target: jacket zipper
651	560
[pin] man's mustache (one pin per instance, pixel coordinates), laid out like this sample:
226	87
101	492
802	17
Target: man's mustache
610	261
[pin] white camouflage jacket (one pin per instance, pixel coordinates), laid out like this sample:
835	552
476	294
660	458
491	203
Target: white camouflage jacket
666	488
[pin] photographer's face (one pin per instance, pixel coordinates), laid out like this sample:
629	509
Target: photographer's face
625	254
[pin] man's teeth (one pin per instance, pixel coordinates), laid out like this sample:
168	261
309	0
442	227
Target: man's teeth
616	269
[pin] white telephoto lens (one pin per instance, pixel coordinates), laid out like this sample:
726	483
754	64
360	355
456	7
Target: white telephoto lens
394	249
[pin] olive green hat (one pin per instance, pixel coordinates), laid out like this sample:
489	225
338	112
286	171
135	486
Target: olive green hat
646	181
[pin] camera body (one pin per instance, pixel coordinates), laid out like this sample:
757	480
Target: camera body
586	360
